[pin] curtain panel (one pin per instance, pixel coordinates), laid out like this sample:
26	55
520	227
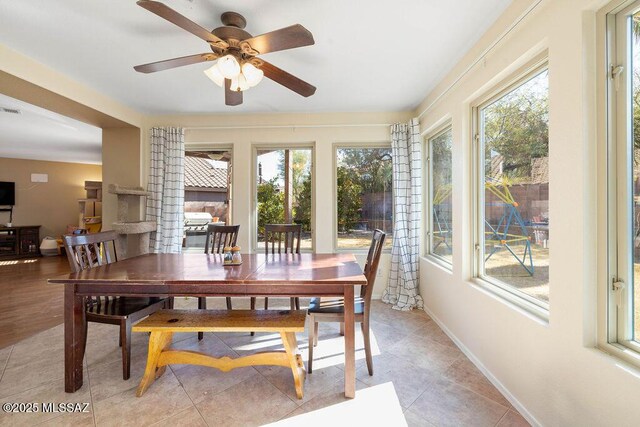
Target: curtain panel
404	279
165	205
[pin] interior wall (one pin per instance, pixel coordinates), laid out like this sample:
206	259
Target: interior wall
243	132
121	157
53	204
551	371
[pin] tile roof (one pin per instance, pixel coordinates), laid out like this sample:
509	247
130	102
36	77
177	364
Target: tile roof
200	173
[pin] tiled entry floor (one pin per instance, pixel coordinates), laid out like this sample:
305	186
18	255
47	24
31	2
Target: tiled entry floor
418	371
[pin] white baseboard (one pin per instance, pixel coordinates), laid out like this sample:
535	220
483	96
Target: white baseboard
507	394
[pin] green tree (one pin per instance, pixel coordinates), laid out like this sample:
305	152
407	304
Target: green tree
302	209
349	199
300	175
360	171
516	127
270	205
372	167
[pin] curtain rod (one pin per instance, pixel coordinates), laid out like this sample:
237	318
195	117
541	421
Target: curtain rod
482	56
286	126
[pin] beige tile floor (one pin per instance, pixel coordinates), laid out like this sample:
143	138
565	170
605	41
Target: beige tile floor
421	379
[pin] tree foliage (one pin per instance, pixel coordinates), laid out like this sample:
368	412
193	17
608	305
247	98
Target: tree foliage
270	204
360	171
302	208
349	200
516	127
441	159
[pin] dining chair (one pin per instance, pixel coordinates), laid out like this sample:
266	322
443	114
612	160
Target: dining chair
85	251
287	237
332	309
218	237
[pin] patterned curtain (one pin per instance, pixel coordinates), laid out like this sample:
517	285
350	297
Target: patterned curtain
404	279
165	205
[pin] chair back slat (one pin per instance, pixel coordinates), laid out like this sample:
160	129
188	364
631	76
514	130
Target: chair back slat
219	236
371	265
287	233
86	251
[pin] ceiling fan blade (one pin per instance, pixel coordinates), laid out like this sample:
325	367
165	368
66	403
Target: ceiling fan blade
282	39
287	80
175	62
174	17
231	97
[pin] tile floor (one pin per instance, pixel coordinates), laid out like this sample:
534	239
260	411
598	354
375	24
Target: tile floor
421	379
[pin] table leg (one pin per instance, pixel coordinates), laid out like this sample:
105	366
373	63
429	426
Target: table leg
349	344
74	338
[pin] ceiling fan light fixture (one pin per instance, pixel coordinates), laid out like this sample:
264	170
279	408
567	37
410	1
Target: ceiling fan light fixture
228	66
253	74
239	84
215	75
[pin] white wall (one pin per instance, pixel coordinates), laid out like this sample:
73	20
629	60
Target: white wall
551	370
243	132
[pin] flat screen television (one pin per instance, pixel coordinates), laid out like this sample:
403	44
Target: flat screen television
7	193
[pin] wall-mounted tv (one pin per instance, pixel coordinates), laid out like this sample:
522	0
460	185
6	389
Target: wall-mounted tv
7	193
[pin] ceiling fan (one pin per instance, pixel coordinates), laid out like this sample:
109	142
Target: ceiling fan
237	67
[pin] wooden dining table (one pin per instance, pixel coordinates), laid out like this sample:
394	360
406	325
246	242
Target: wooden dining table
204	275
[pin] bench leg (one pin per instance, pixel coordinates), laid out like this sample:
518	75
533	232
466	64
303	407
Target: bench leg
295	360
158	341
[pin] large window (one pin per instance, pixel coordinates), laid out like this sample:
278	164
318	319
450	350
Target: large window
364	195
439	184
284	190
624	177
513	224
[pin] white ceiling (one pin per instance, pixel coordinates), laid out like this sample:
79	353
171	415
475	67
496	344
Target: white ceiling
40	134
374	55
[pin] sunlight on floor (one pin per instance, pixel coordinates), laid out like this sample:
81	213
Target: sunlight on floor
376	406
24	261
328	352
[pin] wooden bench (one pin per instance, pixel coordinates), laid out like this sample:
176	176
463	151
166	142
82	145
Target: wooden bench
164	323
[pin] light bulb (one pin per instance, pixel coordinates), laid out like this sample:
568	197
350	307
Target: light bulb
229	67
215	75
252	74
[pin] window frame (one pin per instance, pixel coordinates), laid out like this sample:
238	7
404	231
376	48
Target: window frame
508	292
428	181
618	304
254	188
353	145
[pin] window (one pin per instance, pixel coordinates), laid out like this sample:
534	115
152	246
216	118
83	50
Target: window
284	190
207	194
364	195
623	204
439	184
512	203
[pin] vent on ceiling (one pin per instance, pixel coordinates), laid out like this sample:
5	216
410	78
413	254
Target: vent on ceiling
10	110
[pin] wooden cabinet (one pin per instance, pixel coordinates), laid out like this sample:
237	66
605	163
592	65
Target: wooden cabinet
19	242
